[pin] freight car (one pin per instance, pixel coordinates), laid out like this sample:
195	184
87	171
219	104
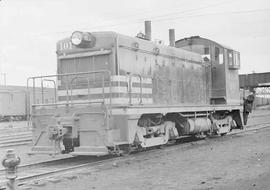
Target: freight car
117	93
12	105
14	101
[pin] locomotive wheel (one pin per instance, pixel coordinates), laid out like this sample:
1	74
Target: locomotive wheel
125	153
162	146
125	150
171	142
199	136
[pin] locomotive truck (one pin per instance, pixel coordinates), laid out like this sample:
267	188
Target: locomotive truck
116	93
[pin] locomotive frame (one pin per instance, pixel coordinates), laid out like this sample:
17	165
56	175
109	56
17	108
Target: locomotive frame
115	93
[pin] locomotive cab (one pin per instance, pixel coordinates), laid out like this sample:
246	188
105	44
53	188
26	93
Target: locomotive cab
224	63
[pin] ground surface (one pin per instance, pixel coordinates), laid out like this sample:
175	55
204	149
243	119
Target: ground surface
233	162
256	117
240	161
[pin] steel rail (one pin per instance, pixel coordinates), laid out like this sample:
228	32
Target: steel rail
67	170
39	174
36	164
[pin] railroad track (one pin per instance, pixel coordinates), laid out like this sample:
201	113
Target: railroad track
21	135
37	173
14	134
15	138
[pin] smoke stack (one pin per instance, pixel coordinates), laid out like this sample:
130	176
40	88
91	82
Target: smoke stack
172	37
147	26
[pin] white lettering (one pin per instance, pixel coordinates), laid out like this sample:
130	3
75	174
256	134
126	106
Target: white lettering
65	46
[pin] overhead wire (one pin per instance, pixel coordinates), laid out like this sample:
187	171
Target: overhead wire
213	14
196	9
188	16
135	21
176	15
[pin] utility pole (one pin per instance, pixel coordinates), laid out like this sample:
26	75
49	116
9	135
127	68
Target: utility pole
4	77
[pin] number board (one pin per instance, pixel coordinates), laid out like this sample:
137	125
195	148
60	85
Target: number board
65	46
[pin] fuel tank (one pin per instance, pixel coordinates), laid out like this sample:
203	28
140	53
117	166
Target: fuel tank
196	125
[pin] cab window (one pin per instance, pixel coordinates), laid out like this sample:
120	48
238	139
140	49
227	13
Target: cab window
230	57
236	59
219	55
203	50
206	54
206	51
233	59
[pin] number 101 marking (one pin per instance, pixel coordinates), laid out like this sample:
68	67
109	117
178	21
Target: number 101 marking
65	45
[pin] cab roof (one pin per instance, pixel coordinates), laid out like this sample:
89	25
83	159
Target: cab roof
205	40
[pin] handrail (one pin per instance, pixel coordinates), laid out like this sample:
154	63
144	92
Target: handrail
130	87
68	74
42	89
64	104
42	92
103	85
71	89
43	78
55	90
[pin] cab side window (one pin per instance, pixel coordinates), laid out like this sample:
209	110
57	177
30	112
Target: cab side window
206	50
236	57
233	59
206	54
203	50
230	58
219	55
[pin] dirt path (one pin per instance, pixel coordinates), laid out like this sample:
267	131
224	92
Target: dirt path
232	162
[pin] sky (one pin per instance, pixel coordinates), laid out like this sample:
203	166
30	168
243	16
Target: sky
29	29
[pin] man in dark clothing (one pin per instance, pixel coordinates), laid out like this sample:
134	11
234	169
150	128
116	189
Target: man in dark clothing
248	104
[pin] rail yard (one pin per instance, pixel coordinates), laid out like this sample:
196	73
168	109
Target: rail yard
45	172
119	109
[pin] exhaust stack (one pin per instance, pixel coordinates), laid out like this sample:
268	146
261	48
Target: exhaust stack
147	27
172	37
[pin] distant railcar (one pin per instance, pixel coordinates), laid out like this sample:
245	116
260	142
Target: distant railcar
12	105
116	93
14	101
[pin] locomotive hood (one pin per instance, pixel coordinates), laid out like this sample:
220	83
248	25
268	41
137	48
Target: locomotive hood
108	40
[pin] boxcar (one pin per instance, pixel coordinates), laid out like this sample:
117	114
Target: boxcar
15	100
12	105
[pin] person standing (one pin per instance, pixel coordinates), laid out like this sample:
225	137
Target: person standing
248	104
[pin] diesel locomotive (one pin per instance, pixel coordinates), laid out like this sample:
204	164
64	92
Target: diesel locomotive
115	93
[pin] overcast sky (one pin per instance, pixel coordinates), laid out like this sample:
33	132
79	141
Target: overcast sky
29	29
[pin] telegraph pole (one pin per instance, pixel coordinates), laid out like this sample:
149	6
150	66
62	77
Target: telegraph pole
5	79
4	75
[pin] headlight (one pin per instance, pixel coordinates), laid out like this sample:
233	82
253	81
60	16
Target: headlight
76	38
83	39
